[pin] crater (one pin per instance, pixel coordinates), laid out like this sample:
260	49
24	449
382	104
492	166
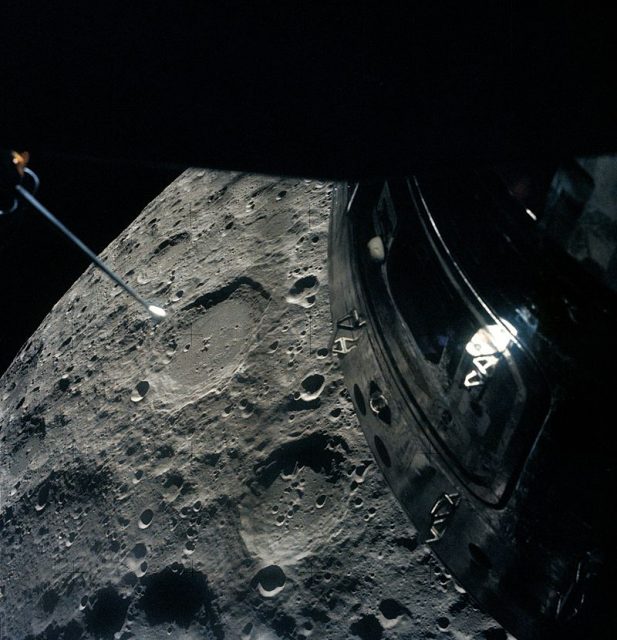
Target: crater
140	391
299	404
145	519
390	612
174	240
322	453
217	329
107	613
139	551
312	386
269	581
443	623
367	628
49	601
303	291
70	631
180	596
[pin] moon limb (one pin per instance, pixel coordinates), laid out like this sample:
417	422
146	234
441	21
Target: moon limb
233	471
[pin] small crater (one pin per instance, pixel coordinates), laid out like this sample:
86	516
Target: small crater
164	451
303	291
43	496
459	606
299	404
140	391
49	601
367	628
407	543
269	581
139	551
107	613
173	241
312	387
145	519
180	596
284	626
443	623
390	613
210	459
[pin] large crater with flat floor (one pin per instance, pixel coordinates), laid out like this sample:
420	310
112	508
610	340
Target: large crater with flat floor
214	334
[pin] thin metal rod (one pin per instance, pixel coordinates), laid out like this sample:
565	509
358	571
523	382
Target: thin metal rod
36	183
24	193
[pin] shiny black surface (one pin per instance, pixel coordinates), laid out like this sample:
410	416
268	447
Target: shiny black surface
487	401
494	352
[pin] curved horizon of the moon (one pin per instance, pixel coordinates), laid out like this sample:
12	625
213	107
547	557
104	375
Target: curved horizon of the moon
204	476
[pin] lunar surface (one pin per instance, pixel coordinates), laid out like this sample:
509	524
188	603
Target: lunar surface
204	476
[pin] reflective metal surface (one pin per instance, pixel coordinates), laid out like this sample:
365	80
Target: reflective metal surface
482	375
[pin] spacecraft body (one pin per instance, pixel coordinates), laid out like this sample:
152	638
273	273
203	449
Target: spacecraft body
475	323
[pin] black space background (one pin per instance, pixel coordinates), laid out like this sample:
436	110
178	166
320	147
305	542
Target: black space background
96	200
337	90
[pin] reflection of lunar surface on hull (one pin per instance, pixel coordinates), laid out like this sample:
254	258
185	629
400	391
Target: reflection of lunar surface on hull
204	476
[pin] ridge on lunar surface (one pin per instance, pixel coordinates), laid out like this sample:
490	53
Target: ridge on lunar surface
204	476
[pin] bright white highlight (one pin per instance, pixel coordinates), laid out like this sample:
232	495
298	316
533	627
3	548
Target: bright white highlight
157	311
531	214
491	339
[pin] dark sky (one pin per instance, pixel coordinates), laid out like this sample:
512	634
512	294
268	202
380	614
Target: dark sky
344	91
96	200
335	89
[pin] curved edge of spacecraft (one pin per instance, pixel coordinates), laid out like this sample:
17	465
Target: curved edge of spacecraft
482	393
